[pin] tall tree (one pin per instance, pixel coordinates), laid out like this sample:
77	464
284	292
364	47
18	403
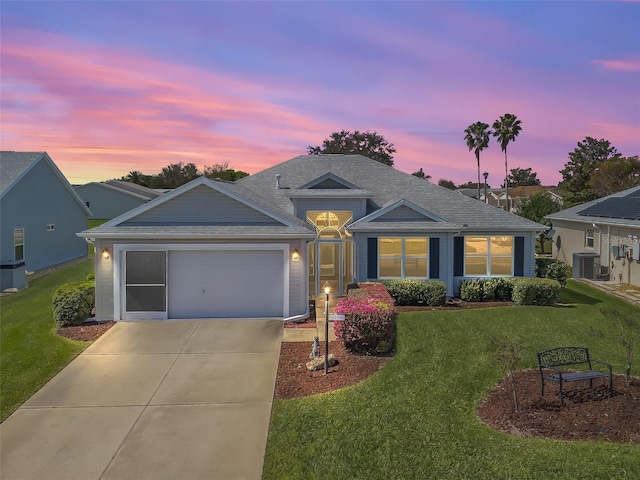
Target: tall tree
223	172
536	208
420	174
506	129
369	144
615	175
477	138
583	161
177	174
136	176
521	177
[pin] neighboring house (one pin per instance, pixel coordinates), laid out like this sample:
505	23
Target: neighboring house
40	215
498	196
265	244
107	200
601	238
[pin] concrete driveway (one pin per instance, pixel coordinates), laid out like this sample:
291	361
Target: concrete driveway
175	400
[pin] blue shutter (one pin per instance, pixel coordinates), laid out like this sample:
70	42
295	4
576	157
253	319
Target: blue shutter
434	258
518	257
372	257
458	256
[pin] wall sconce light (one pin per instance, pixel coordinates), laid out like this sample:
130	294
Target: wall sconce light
295	255
106	254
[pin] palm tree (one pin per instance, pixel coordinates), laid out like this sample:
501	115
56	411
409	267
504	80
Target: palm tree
477	137
506	128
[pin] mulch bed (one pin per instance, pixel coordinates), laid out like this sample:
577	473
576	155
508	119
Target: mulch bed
587	414
294	380
87	332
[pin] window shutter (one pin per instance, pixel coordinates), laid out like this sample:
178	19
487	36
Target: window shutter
372	257
434	258
518	257
458	256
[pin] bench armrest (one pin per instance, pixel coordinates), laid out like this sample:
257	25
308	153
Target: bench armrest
608	365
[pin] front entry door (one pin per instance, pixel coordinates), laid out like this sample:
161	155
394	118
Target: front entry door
330	265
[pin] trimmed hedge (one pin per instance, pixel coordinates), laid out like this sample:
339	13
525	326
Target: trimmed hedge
536	291
417	292
368	327
73	303
554	269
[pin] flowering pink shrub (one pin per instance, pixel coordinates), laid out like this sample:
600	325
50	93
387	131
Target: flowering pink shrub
368	325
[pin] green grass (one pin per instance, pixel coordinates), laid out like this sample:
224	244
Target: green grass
30	351
415	419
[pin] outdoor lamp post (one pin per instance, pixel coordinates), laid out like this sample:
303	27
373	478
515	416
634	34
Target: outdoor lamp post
327	290
485	175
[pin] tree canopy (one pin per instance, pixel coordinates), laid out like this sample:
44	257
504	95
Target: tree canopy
583	161
177	174
615	175
369	144
443	182
520	177
537	207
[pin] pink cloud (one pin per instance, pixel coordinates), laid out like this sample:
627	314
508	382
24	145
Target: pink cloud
620	65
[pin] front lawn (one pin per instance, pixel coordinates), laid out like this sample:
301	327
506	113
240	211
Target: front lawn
30	351
415	419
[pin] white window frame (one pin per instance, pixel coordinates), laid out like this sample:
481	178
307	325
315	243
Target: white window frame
15	245
488	256
589	237
404	257
51	227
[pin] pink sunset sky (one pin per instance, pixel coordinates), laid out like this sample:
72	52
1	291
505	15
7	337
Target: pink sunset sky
110	87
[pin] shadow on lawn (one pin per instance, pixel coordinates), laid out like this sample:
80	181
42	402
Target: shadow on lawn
571	296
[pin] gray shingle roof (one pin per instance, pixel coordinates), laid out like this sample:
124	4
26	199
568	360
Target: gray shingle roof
386	185
13	165
603	210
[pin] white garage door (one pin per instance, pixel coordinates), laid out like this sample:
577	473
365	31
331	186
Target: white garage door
218	284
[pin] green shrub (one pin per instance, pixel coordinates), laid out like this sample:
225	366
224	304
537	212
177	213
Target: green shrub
471	291
535	291
91	277
73	303
554	269
417	292
499	289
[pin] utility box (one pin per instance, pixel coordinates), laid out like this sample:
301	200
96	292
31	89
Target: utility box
616	251
13	275
635	253
586	265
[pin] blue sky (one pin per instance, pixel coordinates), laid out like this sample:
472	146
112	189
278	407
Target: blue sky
110	87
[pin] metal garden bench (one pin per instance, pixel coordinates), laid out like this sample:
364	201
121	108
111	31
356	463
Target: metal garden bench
558	360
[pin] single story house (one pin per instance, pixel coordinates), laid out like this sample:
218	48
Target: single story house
107	200
601	238
40	215
264	245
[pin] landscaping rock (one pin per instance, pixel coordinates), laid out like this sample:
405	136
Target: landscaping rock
318	363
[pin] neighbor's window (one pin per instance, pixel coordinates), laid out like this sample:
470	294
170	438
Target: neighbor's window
589	236
403	257
18	244
488	256
51	227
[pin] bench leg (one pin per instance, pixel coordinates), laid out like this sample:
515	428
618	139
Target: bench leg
561	396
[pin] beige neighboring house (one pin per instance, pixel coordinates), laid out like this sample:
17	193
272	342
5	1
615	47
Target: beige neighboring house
601	239
498	198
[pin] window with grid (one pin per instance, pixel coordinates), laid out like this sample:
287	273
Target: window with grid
488	256
18	243
403	257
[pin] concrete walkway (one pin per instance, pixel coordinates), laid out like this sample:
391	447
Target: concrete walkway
177	399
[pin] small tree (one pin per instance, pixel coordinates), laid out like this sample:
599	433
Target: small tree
507	349
629	333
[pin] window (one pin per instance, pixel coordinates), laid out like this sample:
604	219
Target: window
403	257
488	256
589	236
330	224
18	244
51	227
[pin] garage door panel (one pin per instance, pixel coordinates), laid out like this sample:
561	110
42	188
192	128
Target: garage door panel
205	284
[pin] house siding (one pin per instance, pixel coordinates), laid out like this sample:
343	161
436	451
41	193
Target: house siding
572	240
39	199
202	205
106	203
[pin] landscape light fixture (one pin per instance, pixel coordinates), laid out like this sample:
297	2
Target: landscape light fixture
106	254
327	290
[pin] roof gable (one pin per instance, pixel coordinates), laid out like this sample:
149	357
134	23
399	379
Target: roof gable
402	211
328	181
201	202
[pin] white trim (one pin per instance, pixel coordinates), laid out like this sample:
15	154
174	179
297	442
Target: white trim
118	250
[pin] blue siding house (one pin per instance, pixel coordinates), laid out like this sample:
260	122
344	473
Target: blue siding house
40	215
110	199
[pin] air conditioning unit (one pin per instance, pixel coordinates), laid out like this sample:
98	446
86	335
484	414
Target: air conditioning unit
586	265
